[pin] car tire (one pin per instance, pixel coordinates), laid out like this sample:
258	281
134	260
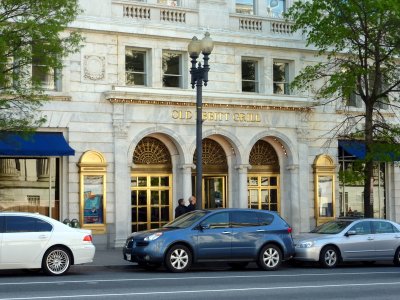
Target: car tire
238	265
178	259
396	259
270	257
56	261
329	257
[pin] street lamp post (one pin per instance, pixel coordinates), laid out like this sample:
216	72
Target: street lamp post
199	74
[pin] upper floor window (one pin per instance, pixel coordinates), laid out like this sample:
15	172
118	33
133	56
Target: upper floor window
172	69
245	7
281	78
354	100
42	74
249	75
276	8
170	2
135	67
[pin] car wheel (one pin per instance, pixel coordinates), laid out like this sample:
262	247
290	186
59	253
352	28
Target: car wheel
178	259
396	259
270	257
56	261
238	265
329	257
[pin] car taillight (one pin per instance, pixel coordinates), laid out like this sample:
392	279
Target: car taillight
87	238
289	230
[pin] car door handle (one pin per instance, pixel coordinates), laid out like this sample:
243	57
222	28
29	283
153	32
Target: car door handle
397	237
261	230
370	238
226	232
43	236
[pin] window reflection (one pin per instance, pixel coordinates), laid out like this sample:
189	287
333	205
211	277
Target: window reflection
245	7
276	8
25	185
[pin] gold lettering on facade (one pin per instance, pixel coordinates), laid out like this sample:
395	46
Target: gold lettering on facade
218	116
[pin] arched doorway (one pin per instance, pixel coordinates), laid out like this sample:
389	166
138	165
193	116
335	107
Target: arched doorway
215	170
151	185
263	182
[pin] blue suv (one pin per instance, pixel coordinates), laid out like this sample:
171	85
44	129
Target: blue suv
235	236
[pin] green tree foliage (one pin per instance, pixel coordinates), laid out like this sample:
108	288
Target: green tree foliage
33	35
359	42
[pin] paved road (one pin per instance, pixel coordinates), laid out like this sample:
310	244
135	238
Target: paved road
206	282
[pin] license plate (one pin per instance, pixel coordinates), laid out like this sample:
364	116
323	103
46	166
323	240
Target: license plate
128	257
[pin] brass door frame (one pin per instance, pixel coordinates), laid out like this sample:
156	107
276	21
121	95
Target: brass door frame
260	187
148	188
217	175
223	189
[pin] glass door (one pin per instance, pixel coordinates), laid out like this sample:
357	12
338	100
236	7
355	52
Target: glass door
150	201
263	192
214	192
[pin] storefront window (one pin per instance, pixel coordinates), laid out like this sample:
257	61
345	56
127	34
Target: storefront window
30	185
351	187
324	186
93	191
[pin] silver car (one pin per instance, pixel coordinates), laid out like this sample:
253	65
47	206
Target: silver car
343	240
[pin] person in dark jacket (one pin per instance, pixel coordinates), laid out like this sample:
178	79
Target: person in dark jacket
180	209
192	203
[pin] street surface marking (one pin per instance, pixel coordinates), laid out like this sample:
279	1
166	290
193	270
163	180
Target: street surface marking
189	278
211	291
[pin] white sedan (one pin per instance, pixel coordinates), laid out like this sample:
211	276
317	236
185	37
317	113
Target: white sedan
34	241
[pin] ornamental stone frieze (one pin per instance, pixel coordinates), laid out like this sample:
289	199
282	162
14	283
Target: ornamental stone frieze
94	67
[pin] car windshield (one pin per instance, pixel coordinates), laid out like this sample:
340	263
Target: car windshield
331	227
187	219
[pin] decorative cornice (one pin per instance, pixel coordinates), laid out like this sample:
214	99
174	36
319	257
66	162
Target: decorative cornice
60	98
211	105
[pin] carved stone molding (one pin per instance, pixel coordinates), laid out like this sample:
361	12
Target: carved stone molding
94	67
120	129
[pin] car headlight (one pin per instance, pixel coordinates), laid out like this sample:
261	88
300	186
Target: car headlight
153	237
306	244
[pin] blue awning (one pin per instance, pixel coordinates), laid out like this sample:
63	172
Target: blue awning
354	148
383	152
35	144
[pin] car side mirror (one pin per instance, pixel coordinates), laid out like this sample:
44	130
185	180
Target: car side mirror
204	226
351	232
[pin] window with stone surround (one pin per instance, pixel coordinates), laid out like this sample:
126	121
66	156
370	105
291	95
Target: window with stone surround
135	67
172	69
281	77
250	75
245	7
276	8
41	73
170	2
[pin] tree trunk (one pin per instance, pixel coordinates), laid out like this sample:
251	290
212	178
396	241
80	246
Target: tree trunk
368	190
369	164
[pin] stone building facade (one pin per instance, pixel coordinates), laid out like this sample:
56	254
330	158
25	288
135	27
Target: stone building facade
125	105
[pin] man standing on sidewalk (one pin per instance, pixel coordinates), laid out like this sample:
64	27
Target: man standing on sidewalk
180	209
192	203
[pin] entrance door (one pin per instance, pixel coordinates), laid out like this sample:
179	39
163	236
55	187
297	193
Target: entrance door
150	201
263	191
214	192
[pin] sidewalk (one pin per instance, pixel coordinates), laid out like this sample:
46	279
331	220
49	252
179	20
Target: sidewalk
109	257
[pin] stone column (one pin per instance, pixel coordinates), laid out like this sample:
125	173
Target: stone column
186	188
241	200
8	169
42	167
122	197
295	218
